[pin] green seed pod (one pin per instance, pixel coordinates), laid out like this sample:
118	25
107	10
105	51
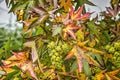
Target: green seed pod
117	46
53	51
118	59
51	45
58	48
53	57
56	54
107	47
60	43
114	58
58	58
50	54
111	50
116	54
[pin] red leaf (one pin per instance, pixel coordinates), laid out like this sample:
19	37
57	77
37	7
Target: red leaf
77	15
69	30
85	16
79	62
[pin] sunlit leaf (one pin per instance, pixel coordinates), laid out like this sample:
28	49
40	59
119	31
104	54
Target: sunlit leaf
34	53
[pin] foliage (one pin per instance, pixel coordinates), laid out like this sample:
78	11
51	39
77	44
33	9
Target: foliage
62	43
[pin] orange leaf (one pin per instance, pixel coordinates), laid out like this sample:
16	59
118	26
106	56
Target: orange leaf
77	15
68	29
114	72
19	56
70	54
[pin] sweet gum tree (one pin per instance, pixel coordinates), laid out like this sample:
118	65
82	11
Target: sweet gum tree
62	43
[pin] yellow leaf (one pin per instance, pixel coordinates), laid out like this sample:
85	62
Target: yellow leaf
91	60
82	76
107	76
92	43
113	2
66	4
82	44
27	24
8	70
100	76
20	14
80	35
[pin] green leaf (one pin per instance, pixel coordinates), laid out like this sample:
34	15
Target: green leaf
57	30
16	68
79	3
107	36
93	28
39	30
91	54
86	68
90	3
11	75
7	45
99	58
74	66
19	6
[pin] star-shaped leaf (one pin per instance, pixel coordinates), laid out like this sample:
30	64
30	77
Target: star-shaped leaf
77	15
80	55
113	12
68	30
